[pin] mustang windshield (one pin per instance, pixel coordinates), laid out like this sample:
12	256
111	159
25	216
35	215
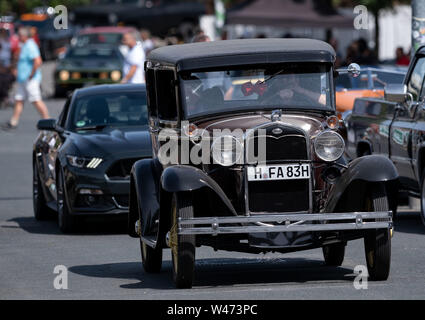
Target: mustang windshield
110	109
298	86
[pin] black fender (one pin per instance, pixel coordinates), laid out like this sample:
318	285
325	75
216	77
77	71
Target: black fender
369	169
144	196
181	178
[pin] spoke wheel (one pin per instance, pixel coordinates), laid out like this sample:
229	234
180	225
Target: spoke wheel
66	222
378	242
41	211
182	246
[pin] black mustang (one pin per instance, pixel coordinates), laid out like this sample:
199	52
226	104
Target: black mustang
82	161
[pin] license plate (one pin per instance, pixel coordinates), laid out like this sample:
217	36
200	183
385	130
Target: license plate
279	172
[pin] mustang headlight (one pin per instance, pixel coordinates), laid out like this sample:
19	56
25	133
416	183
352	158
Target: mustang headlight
329	146
80	162
226	150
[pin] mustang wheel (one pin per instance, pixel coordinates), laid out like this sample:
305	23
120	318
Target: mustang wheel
423	197
66	222
182	246
334	254
378	242
41	211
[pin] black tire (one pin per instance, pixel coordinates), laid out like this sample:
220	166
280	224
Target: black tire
182	246
378	242
151	258
66	221
41	211
422	213
334	254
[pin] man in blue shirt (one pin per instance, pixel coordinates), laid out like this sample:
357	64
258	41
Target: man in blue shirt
28	78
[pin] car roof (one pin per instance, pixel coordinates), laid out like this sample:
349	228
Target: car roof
242	52
109	88
106	30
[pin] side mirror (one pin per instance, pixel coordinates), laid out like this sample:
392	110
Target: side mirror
354	70
47	124
395	93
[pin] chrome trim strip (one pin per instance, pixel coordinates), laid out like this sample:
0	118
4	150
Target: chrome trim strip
287	223
117	205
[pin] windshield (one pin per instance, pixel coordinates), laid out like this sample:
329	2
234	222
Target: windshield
99	38
92	53
297	86
113	109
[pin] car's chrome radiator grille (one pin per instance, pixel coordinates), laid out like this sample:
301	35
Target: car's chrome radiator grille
282	146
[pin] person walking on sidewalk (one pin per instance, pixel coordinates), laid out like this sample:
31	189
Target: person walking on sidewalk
28	79
134	60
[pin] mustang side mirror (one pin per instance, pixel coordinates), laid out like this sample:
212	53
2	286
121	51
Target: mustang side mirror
396	93
49	125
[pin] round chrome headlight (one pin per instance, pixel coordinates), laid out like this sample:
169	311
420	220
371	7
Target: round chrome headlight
329	146
226	150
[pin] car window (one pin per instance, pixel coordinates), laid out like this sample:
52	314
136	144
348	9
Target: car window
92	53
115	109
416	79
98	38
63	115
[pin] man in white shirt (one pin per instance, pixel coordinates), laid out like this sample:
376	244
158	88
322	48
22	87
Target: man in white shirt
134	60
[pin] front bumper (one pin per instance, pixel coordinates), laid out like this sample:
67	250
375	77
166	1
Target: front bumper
302	222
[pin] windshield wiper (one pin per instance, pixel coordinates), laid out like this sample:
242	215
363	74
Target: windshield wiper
97	127
272	76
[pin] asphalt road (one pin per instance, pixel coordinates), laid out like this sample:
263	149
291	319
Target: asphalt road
104	263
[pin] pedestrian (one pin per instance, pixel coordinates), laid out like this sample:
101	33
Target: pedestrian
28	79
5	49
134	59
401	58
147	43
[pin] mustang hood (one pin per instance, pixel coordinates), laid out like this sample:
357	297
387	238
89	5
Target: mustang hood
113	142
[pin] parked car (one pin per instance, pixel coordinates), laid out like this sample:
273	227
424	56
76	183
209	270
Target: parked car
88	65
101	35
260	171
82	161
370	83
156	16
394	127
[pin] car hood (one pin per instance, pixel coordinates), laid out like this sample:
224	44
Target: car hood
84	64
310	124
113	142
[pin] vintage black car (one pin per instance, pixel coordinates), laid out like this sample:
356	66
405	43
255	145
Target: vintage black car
247	156
394	127
82	161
